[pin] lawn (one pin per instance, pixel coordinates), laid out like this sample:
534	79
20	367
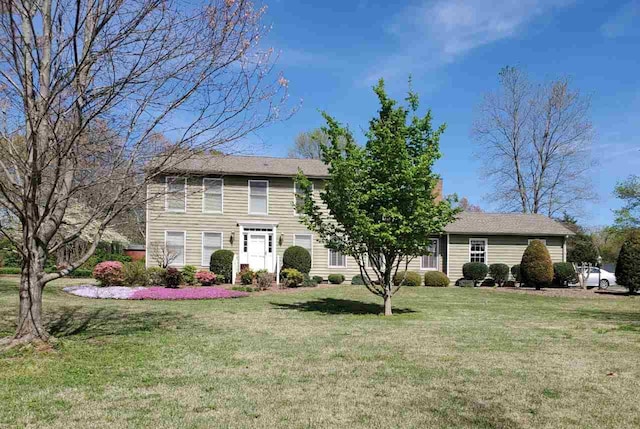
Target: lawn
324	358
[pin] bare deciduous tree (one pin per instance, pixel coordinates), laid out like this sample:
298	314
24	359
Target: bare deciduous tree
126	70
161	254
535	143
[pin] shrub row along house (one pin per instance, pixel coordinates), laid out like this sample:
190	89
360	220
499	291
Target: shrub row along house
247	205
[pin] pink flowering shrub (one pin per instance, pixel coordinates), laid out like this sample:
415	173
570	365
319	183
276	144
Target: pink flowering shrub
161	293
206	278
109	273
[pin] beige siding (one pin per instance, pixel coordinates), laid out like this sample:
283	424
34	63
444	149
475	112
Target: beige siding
501	249
235	202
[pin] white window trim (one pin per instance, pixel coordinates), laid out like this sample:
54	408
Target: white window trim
486	249
184	247
202	245
249	197
166	194
335	266
295	213
437	255
204	195
544	241
308	234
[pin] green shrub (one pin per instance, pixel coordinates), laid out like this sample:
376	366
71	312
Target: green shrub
318	279
628	268
189	274
499	273
292	277
263	279
475	271
221	263
488	282
336	279
244	288
172	277
11	270
536	269
411	278
581	248
298	258
436	279
155	276
80	273
308	281
515	272
247	276
357	280
135	274
563	273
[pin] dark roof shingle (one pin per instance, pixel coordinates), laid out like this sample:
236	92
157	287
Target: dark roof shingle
250	166
506	224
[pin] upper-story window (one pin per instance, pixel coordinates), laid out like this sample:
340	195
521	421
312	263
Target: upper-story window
259	197
176	195
298	198
212	195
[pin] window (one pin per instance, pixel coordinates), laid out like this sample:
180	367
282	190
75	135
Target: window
176	196
478	250
174	242
304	240
258	197
337	259
211	241
544	241
298	198
430	261
212	191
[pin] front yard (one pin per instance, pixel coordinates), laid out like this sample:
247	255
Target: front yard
451	357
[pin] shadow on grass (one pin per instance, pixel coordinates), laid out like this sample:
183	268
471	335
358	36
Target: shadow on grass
338	306
609	316
76	321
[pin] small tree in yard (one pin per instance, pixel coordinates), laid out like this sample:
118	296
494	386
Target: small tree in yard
536	268
628	268
380	197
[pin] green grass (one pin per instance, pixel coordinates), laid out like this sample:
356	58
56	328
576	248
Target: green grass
450	357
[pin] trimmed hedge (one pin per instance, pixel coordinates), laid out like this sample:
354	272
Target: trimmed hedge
628	268
499	273
411	278
436	279
298	258
563	273
536	268
11	270
318	279
336	279
221	263
357	280
515	272
475	271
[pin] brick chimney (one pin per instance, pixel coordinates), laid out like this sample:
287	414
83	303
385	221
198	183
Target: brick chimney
438	190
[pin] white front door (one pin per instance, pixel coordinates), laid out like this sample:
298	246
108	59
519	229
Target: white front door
257	251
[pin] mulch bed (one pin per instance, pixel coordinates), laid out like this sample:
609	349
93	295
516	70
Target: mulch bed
568	292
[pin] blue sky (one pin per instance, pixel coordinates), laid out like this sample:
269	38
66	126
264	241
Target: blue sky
332	52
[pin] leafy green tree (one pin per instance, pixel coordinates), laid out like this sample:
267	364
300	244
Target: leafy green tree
380	197
581	248
627	268
628	217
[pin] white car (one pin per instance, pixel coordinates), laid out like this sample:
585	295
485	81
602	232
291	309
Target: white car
600	278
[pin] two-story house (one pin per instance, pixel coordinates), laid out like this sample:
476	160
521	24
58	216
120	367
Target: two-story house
247	204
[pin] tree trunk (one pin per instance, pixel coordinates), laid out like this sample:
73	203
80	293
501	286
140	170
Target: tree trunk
30	327
387	304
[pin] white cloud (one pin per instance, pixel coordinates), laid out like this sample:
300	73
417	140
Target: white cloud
440	31
624	20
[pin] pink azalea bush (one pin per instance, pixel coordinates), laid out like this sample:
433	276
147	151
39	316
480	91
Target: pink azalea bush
206	278
161	293
109	273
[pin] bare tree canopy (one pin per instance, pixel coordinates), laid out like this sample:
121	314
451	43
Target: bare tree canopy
87	86
308	144
535	144
466	206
